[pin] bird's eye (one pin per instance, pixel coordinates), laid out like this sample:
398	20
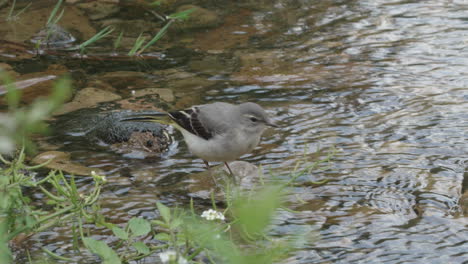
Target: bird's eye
253	119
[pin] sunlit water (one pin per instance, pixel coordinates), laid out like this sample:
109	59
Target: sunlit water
383	82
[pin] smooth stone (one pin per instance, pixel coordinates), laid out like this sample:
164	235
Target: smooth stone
203	183
96	10
61	161
165	94
198	19
33	20
86	98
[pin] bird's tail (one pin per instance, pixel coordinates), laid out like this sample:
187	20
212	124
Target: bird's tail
161	118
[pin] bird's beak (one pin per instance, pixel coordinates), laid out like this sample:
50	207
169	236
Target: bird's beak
271	123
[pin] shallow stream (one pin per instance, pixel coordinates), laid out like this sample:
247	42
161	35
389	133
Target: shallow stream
383	82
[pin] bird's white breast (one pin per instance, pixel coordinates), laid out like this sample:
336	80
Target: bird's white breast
225	147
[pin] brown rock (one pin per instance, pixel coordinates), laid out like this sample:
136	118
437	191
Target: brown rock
165	94
198	19
87	97
202	184
34	20
99	9
34	85
58	160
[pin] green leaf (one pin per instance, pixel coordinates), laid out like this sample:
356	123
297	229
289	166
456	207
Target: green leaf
120	233
254	214
160	223
164	211
107	254
162	237
176	223
61	91
155	3
13	95
182	15
139	226
141	247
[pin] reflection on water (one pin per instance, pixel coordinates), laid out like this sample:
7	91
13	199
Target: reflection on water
382	81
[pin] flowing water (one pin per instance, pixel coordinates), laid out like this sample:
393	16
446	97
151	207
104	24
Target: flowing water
383	82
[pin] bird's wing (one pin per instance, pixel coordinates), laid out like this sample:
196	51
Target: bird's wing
189	120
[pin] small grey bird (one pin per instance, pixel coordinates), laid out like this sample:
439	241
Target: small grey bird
219	132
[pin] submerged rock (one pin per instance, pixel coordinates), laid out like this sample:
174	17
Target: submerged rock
87	97
53	36
33	20
199	18
97	128
99	9
37	84
58	160
247	176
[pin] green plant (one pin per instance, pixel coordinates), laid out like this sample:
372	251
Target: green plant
18	216
138	47
19	123
118	41
239	234
101	34
53	17
14	17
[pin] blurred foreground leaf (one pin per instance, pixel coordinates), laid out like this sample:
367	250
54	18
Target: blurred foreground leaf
139	226
256	212
19	123
100	248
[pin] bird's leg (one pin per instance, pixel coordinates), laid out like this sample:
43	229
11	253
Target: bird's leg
210	172
206	164
230	172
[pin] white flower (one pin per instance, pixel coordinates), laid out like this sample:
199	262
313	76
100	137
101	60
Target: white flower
212	215
170	257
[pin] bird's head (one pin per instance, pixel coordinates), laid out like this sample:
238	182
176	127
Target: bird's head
254	117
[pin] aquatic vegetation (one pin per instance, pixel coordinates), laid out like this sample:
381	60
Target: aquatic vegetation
137	48
14	17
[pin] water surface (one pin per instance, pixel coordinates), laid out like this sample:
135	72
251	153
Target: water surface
383	82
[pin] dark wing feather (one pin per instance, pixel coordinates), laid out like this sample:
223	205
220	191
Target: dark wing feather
188	119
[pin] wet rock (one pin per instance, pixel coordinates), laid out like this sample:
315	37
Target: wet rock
101	85
132	28
202	184
142	144
5	67
173	74
54	37
234	33
192	83
3	3
58	160
200	18
169	6
92	128
165	94
96	10
87	97
33	20
149	102
214	64
34	85
125	79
